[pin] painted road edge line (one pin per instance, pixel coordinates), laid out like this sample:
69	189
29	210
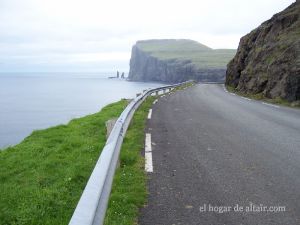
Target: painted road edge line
275	106
148	154
149	114
148	147
246	98
148	162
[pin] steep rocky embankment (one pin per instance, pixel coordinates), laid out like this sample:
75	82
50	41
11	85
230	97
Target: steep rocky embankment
268	58
174	61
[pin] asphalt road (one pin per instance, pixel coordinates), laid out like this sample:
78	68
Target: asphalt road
211	148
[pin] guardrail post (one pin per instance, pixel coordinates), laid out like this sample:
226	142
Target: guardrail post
156	93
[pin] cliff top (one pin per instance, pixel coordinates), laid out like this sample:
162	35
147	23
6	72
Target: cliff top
187	50
171	45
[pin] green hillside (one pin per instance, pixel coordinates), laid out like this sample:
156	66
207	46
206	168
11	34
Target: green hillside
183	49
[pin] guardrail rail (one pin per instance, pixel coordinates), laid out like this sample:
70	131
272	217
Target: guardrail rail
93	202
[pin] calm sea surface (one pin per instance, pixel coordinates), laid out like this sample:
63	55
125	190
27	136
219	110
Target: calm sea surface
32	101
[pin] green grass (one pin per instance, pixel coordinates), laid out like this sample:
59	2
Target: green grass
261	97
171	45
181	87
42	178
129	191
198	54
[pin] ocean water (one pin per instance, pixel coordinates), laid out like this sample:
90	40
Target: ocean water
32	101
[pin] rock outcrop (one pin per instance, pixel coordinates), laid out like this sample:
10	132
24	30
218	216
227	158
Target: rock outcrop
173	61
267	61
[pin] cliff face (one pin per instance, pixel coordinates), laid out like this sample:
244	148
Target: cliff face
268	58
172	64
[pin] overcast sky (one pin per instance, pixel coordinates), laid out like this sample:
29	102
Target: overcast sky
97	35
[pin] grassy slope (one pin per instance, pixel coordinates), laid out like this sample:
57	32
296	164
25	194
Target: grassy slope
42	178
200	55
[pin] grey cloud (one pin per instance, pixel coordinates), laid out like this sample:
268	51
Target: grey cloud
33	39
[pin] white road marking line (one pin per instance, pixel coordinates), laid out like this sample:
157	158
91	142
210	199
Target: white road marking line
275	106
225	89
148	154
148	162
246	98
232	94
156	100
148	147
149	114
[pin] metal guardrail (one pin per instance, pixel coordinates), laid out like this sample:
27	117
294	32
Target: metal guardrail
93	203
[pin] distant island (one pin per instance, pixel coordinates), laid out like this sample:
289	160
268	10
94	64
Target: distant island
177	60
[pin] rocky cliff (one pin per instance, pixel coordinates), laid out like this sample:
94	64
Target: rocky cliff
175	61
267	61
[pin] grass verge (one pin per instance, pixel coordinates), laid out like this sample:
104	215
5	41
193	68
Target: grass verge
261	97
190	84
129	191
42	178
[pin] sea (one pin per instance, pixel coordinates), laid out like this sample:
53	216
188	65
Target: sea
33	101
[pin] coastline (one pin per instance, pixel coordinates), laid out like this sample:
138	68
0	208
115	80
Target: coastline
37	101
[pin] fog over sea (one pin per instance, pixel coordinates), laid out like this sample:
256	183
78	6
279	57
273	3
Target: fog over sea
31	101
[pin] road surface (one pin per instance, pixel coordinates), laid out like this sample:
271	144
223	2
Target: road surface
213	152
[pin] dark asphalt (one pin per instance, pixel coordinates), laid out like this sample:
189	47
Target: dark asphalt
210	147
